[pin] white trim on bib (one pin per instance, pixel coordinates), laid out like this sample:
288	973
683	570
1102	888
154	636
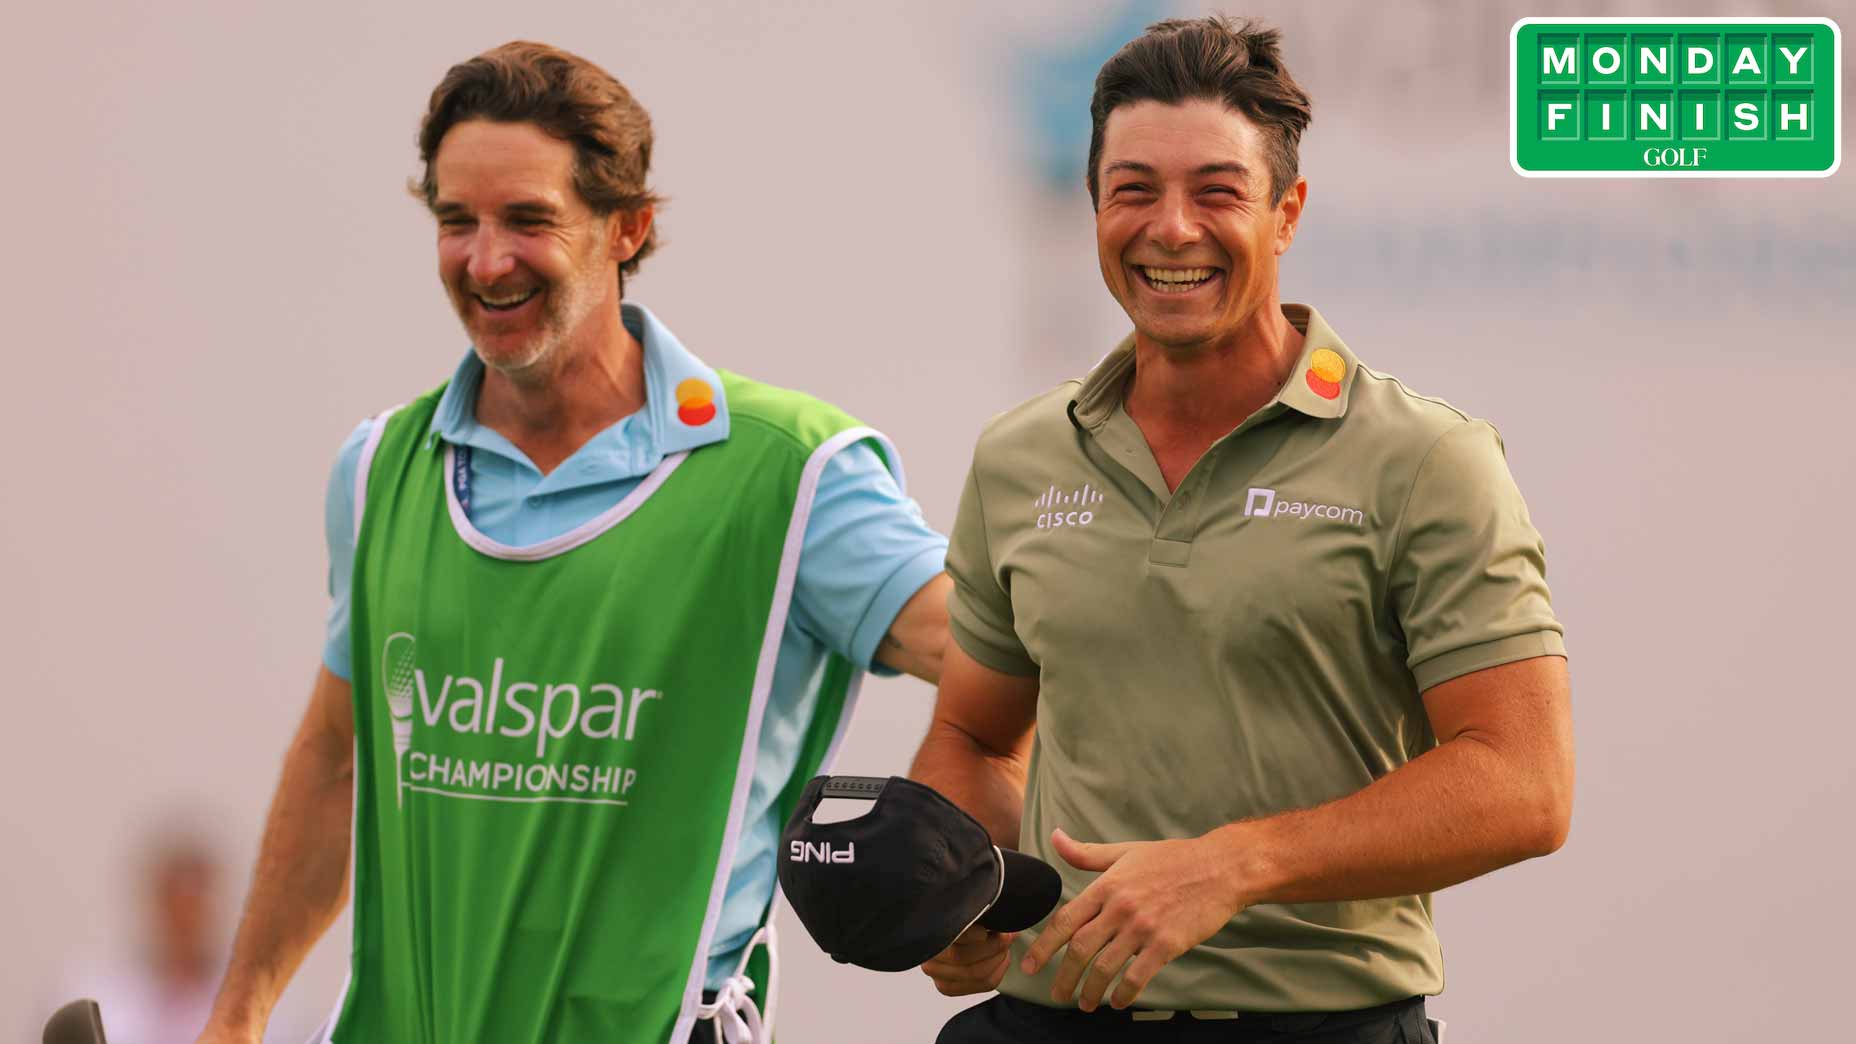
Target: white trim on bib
750	744
365	463
567	541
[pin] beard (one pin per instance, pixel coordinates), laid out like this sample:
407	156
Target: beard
564	304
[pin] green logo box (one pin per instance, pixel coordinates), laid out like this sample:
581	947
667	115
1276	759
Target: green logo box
1675	97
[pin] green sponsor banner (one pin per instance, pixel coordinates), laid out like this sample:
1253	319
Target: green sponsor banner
1676	97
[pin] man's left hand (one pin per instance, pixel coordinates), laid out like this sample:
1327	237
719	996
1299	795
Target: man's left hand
1154	901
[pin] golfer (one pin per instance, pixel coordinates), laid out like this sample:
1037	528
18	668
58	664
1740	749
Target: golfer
599	612
1280	622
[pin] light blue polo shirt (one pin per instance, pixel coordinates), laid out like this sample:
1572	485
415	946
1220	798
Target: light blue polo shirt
866	551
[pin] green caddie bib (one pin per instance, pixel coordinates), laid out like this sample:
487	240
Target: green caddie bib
554	744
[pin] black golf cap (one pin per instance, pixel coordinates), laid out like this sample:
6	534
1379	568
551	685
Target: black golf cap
894	886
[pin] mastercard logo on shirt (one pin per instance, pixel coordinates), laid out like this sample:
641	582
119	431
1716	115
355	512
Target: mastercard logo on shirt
1325	369
695	402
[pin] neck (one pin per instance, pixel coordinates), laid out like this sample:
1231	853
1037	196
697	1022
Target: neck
1212	388
550	409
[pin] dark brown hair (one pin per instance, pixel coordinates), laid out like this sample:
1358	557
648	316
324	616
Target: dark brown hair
566	96
1179	60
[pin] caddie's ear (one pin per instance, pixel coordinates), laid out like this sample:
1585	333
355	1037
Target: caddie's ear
1289	212
630	229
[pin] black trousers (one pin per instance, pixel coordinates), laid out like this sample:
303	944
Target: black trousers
706	1031
1008	1020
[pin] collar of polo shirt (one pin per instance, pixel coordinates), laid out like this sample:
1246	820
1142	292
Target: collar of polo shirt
684	408
1318	384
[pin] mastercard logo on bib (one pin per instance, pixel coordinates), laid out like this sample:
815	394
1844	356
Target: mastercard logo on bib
695	402
1325	369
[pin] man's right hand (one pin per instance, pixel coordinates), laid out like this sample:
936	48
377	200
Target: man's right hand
973	963
976	753
301	882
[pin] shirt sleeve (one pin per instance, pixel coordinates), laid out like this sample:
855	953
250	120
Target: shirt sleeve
338	530
980	609
867	550
1468	581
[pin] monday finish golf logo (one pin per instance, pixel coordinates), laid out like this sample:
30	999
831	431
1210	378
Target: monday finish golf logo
532	723
1670	97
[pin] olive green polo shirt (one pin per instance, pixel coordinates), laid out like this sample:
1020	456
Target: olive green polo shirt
1252	643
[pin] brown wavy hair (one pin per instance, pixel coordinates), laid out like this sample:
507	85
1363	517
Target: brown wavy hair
1213	58
566	96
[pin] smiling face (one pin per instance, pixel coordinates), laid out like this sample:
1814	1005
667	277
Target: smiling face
1185	231
526	262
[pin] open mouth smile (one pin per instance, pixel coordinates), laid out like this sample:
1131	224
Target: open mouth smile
1175	280
506	302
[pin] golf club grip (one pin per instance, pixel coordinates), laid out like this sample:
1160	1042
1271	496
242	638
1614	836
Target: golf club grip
79	1022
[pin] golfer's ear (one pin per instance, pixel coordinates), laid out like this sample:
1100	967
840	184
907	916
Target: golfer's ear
1290	208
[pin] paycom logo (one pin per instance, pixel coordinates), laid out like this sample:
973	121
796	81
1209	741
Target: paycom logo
1675	97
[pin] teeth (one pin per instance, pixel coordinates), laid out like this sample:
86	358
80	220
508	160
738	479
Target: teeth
1178	275
506	302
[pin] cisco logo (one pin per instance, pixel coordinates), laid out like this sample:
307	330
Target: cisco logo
1057	509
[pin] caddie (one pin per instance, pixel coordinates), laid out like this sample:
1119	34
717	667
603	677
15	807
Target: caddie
599	611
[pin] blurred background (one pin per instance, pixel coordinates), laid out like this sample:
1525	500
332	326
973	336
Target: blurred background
214	272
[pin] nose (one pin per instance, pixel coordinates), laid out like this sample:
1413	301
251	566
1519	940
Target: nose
489	255
1176	224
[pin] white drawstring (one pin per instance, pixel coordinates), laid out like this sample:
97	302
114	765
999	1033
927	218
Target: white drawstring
736	1015
734	1012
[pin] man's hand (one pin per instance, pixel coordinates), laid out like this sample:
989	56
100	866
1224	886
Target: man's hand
973	963
302	879
1154	901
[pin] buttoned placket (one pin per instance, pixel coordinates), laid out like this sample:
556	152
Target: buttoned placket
1181	509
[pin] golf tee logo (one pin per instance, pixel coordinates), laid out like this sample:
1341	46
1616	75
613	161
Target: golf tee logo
397	682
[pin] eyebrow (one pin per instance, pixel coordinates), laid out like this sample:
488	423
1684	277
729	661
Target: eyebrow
520	208
1228	167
